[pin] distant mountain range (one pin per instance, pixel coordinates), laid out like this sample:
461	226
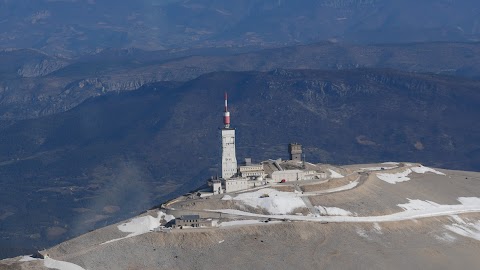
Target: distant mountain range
69	28
118	154
34	84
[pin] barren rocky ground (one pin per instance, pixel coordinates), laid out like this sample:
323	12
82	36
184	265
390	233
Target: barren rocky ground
446	241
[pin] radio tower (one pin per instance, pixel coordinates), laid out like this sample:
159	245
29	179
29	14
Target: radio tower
226	113
229	160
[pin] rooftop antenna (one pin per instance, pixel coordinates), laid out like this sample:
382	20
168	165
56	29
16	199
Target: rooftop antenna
226	113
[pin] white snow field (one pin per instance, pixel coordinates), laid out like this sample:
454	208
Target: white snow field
28	259
141	225
418	205
334	174
414	209
54	264
423	169
332	211
277	202
281	202
394	178
390	163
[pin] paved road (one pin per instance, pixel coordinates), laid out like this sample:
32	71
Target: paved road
307	202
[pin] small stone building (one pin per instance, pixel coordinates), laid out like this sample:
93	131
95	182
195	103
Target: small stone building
295	151
288	175
193	221
216	185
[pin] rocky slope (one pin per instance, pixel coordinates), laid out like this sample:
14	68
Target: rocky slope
148	145
438	228
27	63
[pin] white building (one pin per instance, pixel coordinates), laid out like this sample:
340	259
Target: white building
288	175
252	170
229	159
217	187
236	184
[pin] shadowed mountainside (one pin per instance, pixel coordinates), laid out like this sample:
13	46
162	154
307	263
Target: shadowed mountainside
115	155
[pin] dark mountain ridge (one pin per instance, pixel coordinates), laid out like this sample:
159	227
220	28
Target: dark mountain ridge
119	70
116	155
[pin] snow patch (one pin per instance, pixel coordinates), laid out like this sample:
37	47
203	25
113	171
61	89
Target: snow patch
332	211
469	200
221	241
377	228
423	169
390	163
418	205
227	198
446	237
362	233
457	219
168	218
28	259
470	230
54	264
334	174
277	202
393	178
141	225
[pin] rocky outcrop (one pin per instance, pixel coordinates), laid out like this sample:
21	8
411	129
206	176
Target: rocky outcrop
41	68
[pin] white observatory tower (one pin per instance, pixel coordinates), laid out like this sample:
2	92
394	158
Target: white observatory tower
229	160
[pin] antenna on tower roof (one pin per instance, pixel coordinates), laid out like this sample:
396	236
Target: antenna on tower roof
226	114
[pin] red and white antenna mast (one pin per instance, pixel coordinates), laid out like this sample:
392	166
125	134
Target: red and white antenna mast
226	114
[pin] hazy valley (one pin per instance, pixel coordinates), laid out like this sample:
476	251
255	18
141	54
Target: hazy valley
71	28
